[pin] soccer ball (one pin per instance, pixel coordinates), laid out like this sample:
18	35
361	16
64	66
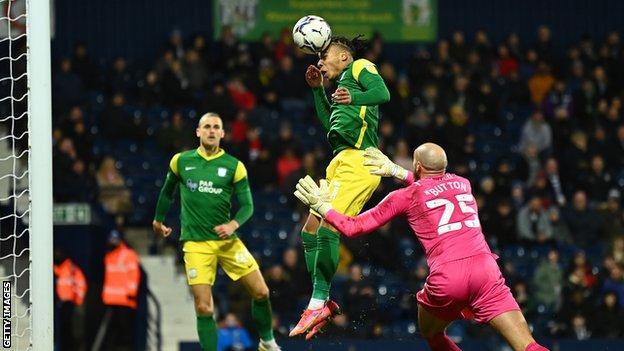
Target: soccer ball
311	34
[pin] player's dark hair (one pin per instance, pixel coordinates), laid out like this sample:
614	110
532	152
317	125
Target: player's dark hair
356	46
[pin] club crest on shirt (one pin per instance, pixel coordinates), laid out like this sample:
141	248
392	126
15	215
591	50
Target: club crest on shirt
191	185
221	172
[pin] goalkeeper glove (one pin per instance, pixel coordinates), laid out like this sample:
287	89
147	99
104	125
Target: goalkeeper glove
313	196
381	165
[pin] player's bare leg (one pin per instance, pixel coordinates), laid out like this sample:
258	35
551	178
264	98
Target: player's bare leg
433	330
204	309
514	328
260	309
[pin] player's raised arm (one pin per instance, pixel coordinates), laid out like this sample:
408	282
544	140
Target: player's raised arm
317	198
379	164
314	78
166	198
374	88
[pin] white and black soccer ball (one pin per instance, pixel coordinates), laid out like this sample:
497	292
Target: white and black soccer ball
311	34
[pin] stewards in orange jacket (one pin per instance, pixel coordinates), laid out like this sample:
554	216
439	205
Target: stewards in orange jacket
70	282
70	288
122	276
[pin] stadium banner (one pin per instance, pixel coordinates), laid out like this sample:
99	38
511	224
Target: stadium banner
395	20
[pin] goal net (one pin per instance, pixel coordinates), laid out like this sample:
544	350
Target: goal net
25	169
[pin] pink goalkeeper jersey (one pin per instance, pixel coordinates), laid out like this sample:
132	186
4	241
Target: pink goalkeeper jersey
441	211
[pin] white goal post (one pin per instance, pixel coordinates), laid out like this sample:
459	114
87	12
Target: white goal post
40	166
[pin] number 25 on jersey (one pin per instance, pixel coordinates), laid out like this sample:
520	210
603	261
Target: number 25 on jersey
449	209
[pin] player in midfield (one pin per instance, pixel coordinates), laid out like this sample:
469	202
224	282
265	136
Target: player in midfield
464	279
207	178
351	122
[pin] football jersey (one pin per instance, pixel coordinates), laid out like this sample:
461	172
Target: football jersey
206	186
441	211
353	126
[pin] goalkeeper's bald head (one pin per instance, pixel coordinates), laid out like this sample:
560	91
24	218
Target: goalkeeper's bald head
430	159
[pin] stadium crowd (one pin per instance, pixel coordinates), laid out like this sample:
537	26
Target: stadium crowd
538	129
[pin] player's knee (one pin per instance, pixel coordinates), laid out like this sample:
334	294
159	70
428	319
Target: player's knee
311	225
204	309
261	294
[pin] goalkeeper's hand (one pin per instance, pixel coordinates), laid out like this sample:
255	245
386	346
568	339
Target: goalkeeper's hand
379	164
313	196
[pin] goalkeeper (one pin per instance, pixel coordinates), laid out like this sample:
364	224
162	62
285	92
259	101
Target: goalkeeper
207	178
351	121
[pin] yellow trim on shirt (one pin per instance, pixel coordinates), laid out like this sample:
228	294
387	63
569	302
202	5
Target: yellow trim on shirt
363	129
359	65
212	157
240	173
173	164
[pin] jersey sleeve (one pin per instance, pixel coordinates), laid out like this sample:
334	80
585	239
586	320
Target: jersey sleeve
243	195
322	106
396	203
240	173
168	190
374	91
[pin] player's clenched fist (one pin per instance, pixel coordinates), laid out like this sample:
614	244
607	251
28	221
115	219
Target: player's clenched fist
342	96
314	77
161	229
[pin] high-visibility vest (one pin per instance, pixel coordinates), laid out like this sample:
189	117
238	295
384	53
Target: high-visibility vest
71	284
121	277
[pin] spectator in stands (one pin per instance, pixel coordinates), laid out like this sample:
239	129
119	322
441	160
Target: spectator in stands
548	282
114	195
615	283
536	132
287	164
196	71
282	293
360	300
580	276
609	318
116	123
584	222
150	90
578	329
560	230
554	182
533	224
597	181
613	216
529	166
296	270
67	87
119	78
84	67
576	157
174	135
122	276
540	83
232	336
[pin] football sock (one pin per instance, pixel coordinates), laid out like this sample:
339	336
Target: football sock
263	318
207	331
326	263
309	250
